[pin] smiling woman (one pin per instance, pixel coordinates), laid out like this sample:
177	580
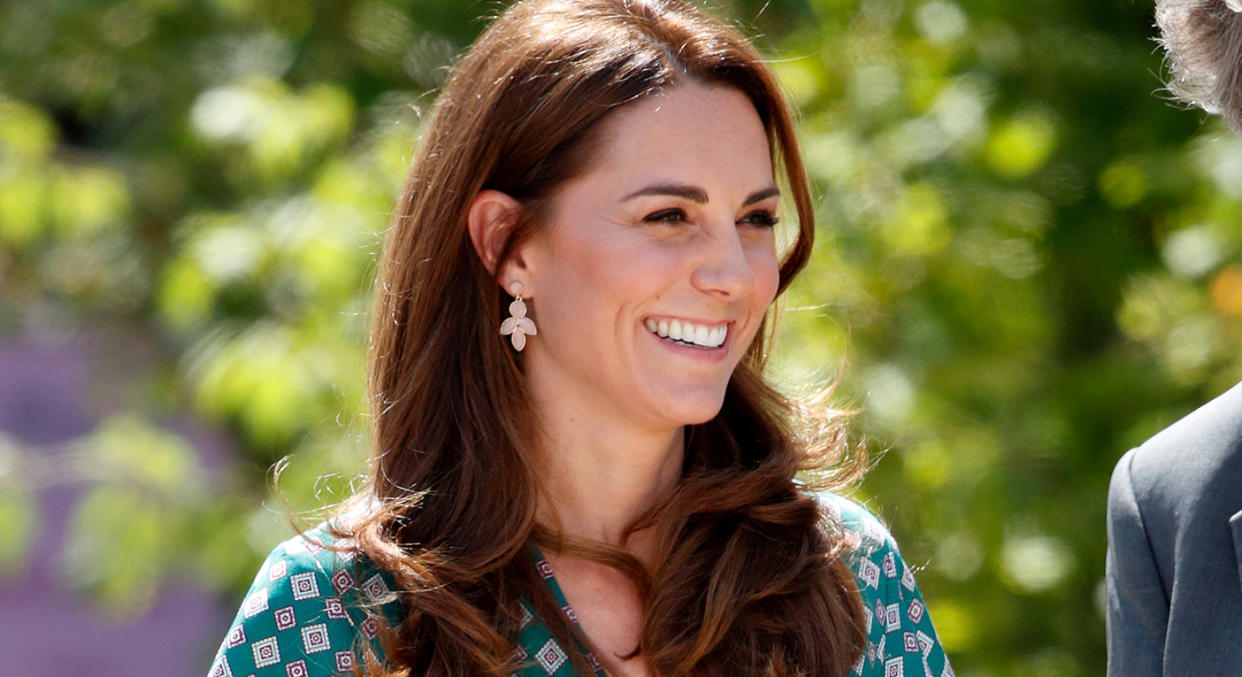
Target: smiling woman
612	489
671	222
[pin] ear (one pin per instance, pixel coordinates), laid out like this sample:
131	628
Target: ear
491	217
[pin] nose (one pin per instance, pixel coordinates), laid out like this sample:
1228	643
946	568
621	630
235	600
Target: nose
723	270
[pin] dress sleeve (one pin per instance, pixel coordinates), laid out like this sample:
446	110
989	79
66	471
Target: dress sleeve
298	619
901	641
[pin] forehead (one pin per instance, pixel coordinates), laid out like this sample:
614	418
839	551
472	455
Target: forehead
690	132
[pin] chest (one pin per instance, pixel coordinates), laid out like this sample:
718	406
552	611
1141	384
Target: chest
609	608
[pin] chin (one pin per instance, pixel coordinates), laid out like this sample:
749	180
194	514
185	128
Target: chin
694	413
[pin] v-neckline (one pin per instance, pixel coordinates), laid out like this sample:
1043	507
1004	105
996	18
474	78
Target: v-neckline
544	567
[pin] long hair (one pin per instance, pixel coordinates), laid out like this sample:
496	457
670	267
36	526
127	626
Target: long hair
1202	40
748	575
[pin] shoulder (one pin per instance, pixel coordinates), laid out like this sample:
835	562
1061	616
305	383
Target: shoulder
1208	432
318	555
870	533
900	635
1199	455
872	551
306	613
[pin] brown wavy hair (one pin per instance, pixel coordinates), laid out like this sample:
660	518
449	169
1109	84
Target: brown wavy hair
748	575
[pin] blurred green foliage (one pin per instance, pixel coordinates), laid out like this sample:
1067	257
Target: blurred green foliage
1030	261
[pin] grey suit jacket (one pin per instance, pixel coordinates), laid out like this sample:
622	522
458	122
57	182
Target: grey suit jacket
1174	568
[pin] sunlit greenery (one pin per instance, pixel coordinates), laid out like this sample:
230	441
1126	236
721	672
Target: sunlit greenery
1028	258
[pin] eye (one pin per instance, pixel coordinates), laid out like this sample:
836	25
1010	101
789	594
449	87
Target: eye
761	218
665	216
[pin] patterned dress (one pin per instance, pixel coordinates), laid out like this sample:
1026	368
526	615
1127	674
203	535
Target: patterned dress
305	615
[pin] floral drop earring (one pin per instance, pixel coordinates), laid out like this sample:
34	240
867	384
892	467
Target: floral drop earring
517	326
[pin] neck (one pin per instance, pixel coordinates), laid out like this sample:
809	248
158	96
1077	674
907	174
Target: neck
600	476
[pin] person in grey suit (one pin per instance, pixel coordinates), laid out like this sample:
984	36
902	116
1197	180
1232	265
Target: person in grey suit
1175	548
1174	566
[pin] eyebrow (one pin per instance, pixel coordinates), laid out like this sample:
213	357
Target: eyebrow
695	194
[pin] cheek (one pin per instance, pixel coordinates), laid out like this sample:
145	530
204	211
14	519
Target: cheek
614	265
580	276
766	269
565	256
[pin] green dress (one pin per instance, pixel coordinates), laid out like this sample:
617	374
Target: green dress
303	618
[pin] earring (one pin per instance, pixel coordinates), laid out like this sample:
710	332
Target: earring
517	327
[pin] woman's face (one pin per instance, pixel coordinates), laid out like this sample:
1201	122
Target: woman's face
654	270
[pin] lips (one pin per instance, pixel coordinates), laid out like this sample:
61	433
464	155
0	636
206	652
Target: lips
685	332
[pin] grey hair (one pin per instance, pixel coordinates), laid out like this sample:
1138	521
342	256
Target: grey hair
1202	40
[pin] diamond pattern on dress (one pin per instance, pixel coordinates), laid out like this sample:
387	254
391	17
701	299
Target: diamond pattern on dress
869	573
237	637
284	618
342	581
909	642
255	603
892	616
375	587
915	611
907	578
315	638
544	568
221	668
926	643
889	565
370	627
335	608
551	656
266	652
304	585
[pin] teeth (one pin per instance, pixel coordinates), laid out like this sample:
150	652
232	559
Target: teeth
688	332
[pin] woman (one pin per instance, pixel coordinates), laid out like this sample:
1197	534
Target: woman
578	466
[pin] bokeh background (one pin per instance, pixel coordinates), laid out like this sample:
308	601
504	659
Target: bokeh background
1029	258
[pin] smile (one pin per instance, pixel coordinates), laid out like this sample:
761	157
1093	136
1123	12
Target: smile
686	333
